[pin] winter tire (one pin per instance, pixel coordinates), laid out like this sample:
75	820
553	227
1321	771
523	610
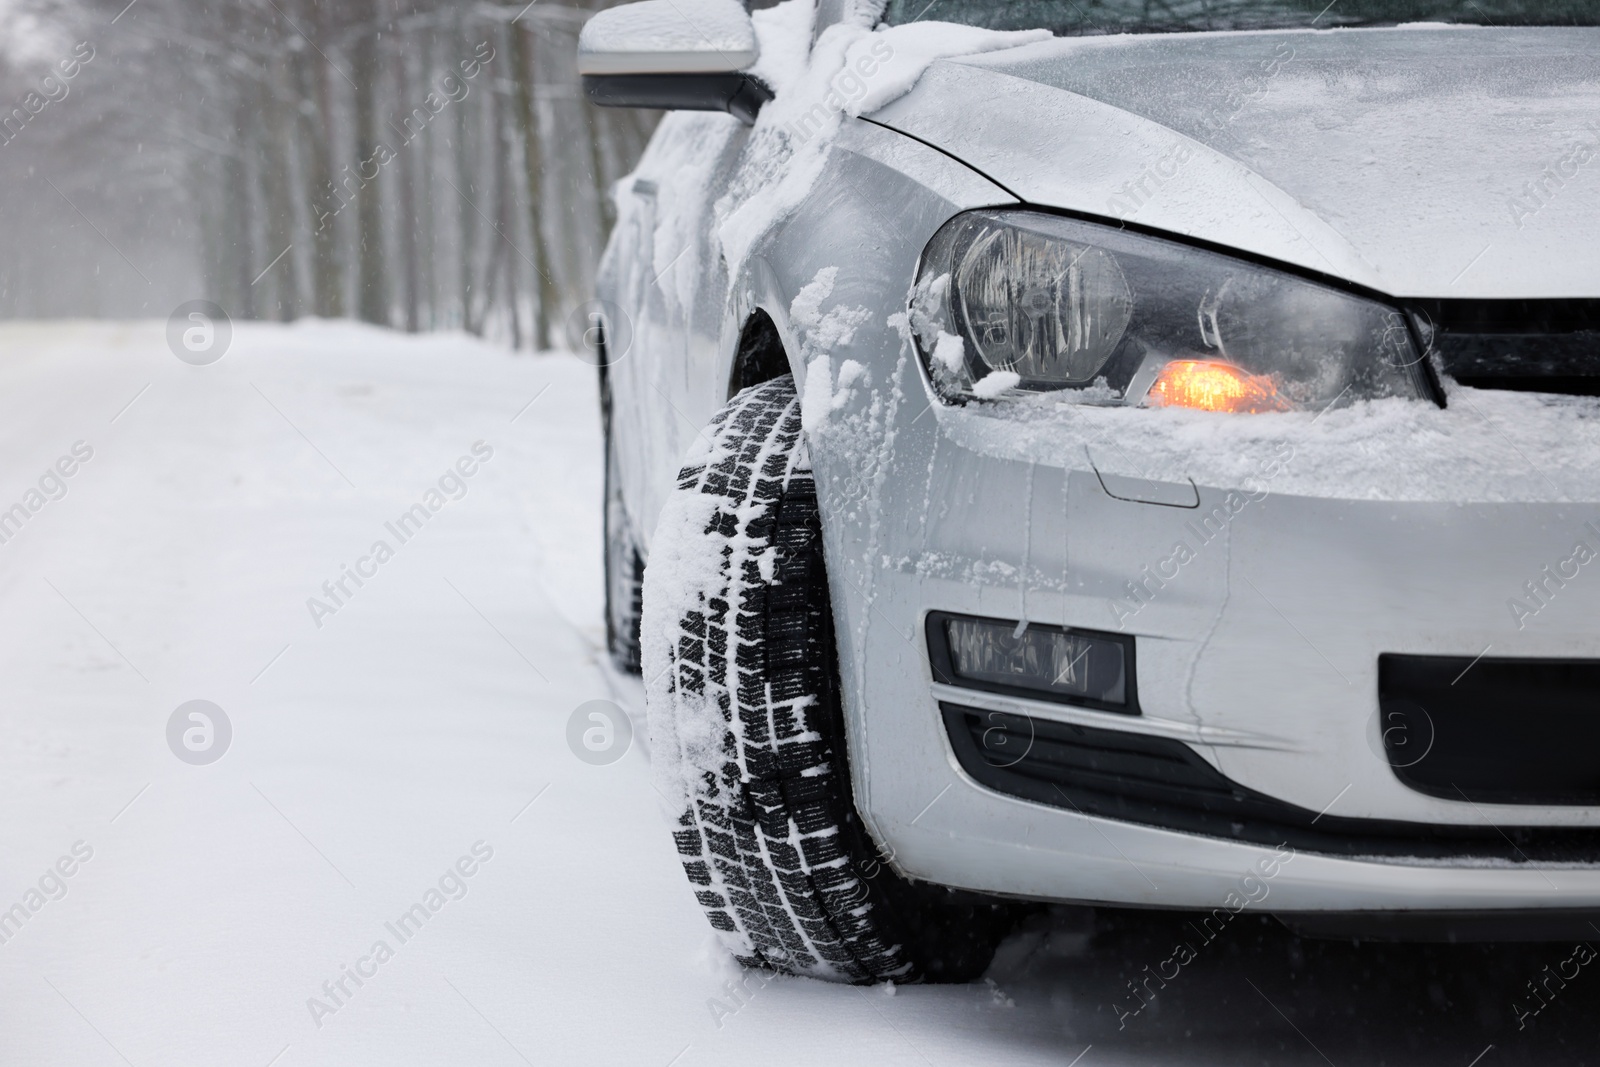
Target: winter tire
747	732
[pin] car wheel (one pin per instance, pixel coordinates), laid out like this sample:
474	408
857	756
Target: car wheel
624	567
747	731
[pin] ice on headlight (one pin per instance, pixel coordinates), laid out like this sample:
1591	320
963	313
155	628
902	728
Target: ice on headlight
1085	309
1046	309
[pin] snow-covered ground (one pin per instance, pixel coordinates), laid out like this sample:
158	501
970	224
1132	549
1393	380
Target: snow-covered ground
421	732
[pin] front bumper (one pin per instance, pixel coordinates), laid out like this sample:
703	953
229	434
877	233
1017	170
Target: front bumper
1258	648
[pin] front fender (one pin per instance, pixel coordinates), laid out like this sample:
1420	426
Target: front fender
835	276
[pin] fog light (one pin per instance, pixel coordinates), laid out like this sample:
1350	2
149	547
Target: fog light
1072	666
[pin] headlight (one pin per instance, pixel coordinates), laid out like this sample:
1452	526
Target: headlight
1016	300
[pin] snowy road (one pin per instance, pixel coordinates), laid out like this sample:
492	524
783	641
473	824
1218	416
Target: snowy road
405	744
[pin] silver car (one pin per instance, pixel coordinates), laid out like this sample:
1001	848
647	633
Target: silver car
1106	452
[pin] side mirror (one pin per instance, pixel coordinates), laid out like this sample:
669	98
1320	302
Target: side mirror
686	55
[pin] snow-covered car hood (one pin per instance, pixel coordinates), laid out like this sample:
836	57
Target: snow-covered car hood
1419	160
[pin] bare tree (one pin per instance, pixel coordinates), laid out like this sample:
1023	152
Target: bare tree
429	163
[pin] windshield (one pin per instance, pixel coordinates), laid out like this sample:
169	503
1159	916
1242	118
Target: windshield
1081	17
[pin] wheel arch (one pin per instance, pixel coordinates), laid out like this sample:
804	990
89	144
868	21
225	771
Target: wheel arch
760	356
766	345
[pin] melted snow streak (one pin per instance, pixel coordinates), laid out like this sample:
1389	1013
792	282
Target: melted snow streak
740	739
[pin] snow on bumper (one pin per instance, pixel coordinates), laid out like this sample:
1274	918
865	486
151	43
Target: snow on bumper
1262	565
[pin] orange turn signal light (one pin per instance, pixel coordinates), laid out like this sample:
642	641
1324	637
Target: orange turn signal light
1211	385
